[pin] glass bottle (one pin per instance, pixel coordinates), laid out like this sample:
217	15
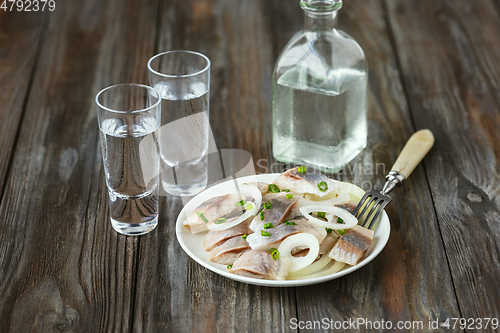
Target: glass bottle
319	93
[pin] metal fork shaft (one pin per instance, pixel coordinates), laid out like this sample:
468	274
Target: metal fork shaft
393	179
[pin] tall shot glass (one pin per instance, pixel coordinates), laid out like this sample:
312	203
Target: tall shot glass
182	78
129	120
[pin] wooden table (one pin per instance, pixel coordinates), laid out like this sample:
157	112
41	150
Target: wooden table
433	64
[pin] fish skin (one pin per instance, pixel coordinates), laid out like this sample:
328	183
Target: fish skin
350	207
304	182
282	231
352	246
261	265
216	238
300	251
227	252
212	209
280	211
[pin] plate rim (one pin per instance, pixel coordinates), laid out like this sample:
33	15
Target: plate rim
179	228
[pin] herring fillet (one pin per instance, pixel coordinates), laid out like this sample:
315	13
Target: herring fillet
352	246
282	231
261	265
281	208
304	182
216	238
350	207
212	209
227	252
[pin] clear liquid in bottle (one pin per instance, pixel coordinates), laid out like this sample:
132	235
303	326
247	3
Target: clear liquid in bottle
319	101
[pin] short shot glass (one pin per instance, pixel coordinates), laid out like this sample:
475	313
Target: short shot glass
129	117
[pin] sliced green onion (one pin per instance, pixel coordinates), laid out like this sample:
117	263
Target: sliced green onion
328	230
275	254
289	196
268	205
221	220
229	266
249	206
302	169
273	188
268	225
265	233
262	216
285	190
287	222
240	203
244	236
272	249
321	215
202	217
343	231
322	186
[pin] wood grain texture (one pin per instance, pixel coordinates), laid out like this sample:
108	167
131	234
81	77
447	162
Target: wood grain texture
451	69
62	267
20	34
413	284
410	279
433	64
175	294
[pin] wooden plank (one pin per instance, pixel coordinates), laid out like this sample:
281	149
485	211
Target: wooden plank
61	264
410	279
450	56
397	279
19	38
175	294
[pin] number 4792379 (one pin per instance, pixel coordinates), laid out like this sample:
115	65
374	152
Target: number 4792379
27	5
470	323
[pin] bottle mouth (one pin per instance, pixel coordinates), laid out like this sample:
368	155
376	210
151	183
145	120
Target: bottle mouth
321	6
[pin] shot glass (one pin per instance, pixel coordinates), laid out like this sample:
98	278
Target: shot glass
129	121
182	78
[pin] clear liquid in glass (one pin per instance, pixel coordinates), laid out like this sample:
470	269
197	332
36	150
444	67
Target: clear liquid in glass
131	181
184	137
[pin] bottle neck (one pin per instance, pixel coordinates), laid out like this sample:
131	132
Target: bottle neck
320	21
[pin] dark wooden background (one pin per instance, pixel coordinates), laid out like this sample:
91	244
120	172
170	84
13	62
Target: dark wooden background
433	64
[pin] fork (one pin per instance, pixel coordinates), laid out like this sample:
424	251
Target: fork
413	152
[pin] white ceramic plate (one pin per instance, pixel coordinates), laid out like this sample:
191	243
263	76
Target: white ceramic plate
192	244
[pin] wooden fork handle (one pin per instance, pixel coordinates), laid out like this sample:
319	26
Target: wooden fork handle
413	152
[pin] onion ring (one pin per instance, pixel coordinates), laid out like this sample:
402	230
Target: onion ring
302	239
312	268
336	267
349	219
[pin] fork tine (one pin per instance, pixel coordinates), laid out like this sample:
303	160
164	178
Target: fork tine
363	199
367	204
374	203
381	208
373	210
